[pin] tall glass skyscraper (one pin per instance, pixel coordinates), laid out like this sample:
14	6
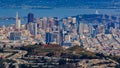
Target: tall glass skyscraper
48	37
30	17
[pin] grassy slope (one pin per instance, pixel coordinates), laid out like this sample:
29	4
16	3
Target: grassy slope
58	50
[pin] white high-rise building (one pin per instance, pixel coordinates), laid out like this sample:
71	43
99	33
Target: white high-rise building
81	28
74	20
18	22
35	29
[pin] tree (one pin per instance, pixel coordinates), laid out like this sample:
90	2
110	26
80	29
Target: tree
62	62
50	54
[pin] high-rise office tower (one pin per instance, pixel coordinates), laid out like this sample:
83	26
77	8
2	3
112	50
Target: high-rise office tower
51	22
61	37
81	28
74	20
18	22
30	25
35	29
30	20
61	33
91	29
30	17
48	37
44	23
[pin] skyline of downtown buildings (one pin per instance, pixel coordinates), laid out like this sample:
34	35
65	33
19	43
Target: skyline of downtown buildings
94	32
67	31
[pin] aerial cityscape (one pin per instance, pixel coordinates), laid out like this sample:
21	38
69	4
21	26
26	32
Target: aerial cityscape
31	38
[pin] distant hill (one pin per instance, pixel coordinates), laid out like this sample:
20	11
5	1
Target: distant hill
59	51
60	3
75	52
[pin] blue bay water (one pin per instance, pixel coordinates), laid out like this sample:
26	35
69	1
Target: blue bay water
58	12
